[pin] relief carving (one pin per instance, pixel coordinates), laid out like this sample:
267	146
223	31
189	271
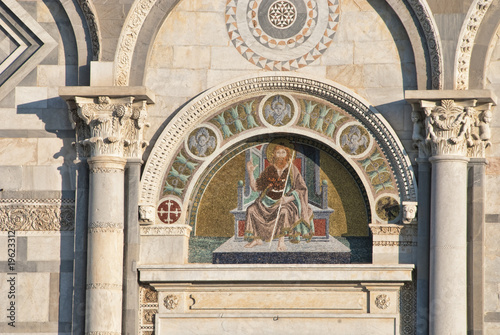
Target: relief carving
92	22
409	211
171	301
37	215
382	301
452	129
106	126
466	42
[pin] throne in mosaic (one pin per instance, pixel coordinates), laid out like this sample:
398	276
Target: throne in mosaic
307	161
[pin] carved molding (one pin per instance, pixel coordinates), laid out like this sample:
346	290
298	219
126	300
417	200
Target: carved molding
389	229
128	40
449	127
104	286
394	244
166	230
89	11
426	20
174	134
104	170
105	227
37	215
466	40
108	126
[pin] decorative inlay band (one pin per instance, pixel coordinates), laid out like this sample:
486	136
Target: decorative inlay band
386	229
104	286
394	244
102	333
97	224
37	215
183	230
105	230
105	170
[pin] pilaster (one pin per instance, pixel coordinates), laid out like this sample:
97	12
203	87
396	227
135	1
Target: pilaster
109	132
449	128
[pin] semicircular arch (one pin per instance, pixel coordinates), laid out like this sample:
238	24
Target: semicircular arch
322	110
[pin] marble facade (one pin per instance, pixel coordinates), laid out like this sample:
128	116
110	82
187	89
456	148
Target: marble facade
126	129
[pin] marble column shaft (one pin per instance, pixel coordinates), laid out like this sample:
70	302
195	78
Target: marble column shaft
105	245
448	246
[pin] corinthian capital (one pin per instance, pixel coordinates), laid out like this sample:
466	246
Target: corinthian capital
451	122
108	125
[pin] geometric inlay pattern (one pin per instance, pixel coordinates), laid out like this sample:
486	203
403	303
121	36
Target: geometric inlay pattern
24	44
281	35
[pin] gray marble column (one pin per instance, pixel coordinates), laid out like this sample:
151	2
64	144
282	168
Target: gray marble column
109	131
449	128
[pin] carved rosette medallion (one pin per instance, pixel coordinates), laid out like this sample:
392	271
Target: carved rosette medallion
281	35
171	301
382	301
109	127
169	210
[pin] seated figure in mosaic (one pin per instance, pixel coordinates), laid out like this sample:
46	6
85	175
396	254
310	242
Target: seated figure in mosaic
282	209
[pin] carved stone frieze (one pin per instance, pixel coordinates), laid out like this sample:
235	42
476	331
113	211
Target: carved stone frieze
37	215
109	126
387	229
128	39
166	230
426	20
466	40
449	127
89	13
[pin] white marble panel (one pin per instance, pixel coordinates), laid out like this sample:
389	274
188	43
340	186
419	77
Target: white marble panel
228	58
176	82
33	295
50	248
18	151
191	57
258	324
340	53
376	52
31	97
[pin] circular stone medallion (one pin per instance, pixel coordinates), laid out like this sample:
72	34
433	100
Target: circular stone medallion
281	34
387	208
169	211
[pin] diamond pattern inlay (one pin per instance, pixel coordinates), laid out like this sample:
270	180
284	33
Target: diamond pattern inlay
23	44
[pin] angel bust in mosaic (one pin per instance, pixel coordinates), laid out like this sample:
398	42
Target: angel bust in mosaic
282	209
